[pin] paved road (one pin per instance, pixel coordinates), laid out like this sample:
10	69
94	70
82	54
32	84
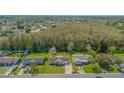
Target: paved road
106	75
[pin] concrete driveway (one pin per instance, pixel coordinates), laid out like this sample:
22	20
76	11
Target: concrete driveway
68	69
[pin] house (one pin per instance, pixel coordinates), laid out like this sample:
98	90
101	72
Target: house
80	59
28	61
59	61
8	61
3	52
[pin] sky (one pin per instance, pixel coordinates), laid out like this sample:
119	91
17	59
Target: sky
61	7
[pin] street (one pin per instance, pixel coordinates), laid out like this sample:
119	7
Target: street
102	75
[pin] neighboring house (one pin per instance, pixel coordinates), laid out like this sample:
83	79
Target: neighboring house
80	59
28	61
8	61
59	61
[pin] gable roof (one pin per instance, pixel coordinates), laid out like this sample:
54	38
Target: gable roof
8	60
80	57
33	59
59	59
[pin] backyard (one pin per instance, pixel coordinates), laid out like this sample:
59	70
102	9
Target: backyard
43	54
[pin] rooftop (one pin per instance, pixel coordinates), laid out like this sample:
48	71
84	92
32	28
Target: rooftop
80	57
8	60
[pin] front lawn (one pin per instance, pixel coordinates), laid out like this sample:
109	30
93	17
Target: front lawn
3	70
92	68
50	69
16	70
114	69
74	68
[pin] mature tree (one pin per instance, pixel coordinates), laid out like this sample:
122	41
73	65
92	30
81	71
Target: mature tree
112	49
104	62
71	46
52	52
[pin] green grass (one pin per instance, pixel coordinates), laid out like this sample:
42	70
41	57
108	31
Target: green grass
3	70
50	69
74	68
16	71
119	54
95	68
114	69
38	55
92	68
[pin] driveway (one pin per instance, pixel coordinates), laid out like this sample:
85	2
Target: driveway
80	70
68	69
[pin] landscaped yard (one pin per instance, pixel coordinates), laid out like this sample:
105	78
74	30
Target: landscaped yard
3	70
92	68
50	69
38	55
114	69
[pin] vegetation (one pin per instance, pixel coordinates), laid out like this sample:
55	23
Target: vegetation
78	36
38	55
119	54
100	37
2	70
16	70
92	68
48	69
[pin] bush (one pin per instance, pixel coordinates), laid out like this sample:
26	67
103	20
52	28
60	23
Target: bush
104	62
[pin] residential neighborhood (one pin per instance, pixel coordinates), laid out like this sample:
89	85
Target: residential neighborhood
65	46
